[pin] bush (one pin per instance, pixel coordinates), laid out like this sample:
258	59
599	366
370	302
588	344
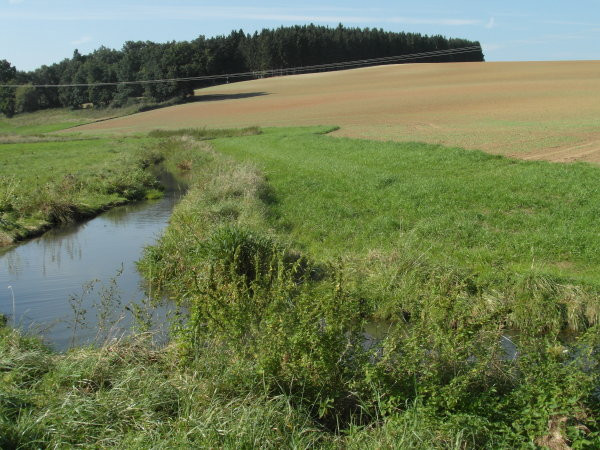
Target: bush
26	99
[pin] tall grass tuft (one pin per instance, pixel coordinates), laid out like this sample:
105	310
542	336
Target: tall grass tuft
205	133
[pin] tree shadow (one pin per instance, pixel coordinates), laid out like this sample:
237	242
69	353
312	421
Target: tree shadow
220	97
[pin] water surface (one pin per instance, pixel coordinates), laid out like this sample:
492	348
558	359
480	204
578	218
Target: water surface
48	275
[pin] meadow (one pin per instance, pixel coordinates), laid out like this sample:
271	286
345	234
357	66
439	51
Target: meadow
46	183
48	180
290	244
279	283
354	198
47	121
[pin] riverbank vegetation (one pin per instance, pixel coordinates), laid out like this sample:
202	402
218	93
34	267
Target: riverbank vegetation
48	180
44	184
287	253
289	248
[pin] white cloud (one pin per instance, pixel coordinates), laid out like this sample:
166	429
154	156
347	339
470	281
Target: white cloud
567	22
511	14
491	47
14	2
82	40
298	18
491	23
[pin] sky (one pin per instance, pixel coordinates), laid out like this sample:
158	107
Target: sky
37	32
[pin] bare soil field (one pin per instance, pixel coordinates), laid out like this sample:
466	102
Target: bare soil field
531	110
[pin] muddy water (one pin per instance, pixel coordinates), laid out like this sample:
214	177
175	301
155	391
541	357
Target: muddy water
49	275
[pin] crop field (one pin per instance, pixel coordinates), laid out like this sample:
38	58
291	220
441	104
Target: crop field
532	110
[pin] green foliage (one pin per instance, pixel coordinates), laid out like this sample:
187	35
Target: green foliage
238	251
276	351
43	184
372	202
283	48
26	99
132	394
8	74
442	376
7	101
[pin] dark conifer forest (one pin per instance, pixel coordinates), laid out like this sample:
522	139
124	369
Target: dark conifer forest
282	48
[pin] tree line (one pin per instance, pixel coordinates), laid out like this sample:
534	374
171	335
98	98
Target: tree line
281	48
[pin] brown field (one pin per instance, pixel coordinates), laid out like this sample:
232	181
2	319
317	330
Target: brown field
533	110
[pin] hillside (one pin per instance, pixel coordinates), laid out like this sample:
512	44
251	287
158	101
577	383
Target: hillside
533	110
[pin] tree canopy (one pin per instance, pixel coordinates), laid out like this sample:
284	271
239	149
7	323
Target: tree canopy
8	74
281	48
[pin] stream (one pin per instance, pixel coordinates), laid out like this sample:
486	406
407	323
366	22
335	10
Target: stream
61	282
73	280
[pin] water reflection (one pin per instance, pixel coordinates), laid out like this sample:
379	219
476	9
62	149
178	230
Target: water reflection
375	333
48	271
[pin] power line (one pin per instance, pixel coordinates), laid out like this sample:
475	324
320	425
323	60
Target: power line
271	72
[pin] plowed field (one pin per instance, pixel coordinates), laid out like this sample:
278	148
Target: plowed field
532	110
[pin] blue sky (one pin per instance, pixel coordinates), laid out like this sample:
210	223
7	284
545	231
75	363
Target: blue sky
36	32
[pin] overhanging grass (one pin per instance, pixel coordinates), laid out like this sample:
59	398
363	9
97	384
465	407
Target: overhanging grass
46	180
46	183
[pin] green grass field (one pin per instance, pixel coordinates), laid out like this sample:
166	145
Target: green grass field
46	181
47	121
288	245
450	251
45	184
354	198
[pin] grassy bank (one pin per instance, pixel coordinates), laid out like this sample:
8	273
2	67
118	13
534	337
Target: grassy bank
284	255
47	180
49	120
464	209
44	184
134	395
287	246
